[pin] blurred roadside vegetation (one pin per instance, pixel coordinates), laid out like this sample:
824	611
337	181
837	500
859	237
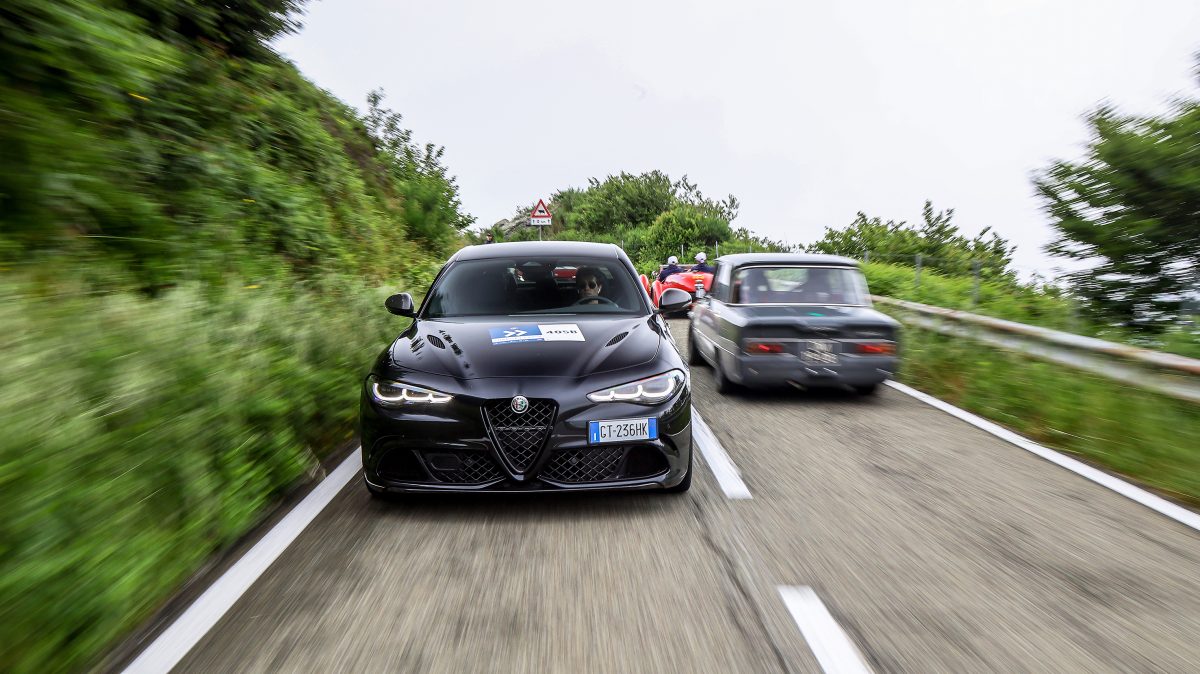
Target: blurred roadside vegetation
168	137
193	242
142	435
1130	209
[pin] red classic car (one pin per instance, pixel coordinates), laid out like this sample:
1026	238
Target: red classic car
686	280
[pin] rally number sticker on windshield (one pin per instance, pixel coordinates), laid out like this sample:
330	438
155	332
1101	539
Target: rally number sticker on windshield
552	332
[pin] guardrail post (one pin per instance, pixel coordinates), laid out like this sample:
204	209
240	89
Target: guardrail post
867	257
975	285
918	276
718	249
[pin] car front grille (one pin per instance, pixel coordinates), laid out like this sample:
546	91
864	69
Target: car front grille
594	464
520	436
462	467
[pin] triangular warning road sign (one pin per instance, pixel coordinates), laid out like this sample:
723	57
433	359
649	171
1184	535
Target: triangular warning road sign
540	211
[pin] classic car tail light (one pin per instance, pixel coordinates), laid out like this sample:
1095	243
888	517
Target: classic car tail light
876	348
764	347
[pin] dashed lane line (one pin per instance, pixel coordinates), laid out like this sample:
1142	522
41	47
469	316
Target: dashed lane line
833	649
718	459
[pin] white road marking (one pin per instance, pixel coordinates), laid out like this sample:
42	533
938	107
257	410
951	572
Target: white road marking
169	648
833	649
1156	503
717	459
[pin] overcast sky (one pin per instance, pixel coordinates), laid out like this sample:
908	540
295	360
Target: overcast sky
807	111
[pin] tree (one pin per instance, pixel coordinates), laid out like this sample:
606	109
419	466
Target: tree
431	204
242	27
624	200
1131	206
937	239
627	201
685	225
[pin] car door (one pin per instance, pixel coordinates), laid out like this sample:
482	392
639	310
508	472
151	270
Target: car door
710	310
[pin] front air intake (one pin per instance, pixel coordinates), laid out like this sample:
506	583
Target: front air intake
519	437
617	338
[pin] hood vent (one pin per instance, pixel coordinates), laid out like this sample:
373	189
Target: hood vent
617	337
436	341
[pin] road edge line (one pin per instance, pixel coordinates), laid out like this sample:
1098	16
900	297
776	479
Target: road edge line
718	459
177	640
826	639
1128	490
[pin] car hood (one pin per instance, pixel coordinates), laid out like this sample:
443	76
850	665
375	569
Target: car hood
470	348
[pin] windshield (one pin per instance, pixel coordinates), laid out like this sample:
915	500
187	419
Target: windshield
539	285
799	285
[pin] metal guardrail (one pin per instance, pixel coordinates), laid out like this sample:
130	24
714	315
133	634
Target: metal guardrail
1167	373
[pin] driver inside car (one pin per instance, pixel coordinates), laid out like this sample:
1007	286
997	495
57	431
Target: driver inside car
589	283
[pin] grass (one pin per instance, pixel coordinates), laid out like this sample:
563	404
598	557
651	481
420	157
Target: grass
1149	437
141	436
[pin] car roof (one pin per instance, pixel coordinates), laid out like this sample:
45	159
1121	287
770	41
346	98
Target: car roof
537	248
739	259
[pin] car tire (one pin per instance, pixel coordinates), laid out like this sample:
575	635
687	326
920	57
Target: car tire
867	390
723	384
693	354
686	484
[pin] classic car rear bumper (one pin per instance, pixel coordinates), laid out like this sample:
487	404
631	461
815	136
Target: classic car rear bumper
783	369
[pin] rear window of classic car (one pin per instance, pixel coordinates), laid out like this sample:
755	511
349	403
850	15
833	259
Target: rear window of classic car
794	284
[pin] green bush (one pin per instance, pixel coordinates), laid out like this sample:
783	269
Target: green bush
141	436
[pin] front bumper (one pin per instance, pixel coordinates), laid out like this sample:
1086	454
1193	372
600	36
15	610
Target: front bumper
785	369
455	447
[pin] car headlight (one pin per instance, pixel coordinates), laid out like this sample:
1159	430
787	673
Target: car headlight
650	390
395	393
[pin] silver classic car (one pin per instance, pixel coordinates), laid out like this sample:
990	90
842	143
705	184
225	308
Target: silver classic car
792	319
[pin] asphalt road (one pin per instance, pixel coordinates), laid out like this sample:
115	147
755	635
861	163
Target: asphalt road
935	547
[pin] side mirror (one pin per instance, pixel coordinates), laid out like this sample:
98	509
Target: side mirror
673	299
401	305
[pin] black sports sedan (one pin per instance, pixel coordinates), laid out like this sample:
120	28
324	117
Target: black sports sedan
789	318
535	366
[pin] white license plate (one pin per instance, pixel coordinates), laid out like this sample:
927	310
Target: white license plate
622	430
819	352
